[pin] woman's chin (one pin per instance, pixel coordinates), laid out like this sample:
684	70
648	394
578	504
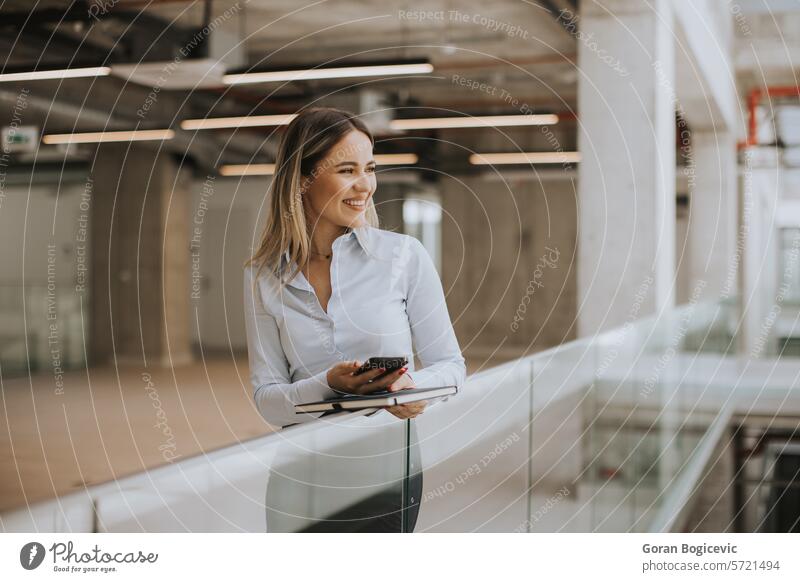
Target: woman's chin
356	221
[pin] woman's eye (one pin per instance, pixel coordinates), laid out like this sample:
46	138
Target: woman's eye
371	169
346	171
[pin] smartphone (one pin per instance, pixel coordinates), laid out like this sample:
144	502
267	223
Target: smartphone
388	364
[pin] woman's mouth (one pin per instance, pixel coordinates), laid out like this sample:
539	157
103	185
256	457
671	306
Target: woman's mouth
356	204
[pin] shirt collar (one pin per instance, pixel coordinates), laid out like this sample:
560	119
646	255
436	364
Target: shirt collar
360	234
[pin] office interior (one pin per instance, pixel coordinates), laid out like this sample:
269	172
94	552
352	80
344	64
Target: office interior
610	192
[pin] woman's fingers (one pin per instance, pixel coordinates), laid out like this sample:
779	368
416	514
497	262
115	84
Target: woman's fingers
410	410
389	379
345	368
404	414
398	411
373	374
340	376
404	382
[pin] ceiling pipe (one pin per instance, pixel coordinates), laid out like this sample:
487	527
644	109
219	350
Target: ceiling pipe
753	99
79	116
205	149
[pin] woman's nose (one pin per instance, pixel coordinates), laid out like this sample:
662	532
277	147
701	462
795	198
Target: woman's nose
362	183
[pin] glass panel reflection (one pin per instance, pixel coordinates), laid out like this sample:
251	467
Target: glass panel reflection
346	474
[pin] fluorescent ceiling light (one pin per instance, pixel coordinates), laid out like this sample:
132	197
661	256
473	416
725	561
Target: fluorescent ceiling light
236	122
109	136
396	159
481	121
56	74
525	158
327	73
269	169
247	169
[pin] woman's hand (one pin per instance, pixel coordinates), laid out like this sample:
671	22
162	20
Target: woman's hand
411	409
340	377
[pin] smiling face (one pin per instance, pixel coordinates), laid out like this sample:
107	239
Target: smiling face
342	183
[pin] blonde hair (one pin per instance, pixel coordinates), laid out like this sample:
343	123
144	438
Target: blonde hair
306	142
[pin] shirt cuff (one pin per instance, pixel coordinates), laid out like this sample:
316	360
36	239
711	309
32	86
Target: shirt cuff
309	390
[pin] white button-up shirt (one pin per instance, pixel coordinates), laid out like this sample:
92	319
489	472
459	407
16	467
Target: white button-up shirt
386	300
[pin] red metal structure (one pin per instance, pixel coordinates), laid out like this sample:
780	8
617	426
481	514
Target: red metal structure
754	98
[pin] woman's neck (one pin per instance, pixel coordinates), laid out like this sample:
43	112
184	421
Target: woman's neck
323	236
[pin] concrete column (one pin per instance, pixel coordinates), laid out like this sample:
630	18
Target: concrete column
508	261
761	185
626	102
140	257
712	215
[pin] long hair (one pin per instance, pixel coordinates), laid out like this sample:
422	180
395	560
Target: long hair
306	142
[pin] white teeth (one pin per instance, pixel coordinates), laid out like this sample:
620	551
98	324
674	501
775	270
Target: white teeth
354	204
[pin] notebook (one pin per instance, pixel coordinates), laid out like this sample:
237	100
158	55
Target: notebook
378	399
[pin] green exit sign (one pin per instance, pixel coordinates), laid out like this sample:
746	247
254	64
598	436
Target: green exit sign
23	138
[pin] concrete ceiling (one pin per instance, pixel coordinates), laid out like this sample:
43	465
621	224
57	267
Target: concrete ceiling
338	28
533	62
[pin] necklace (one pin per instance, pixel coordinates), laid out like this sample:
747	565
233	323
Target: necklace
324	255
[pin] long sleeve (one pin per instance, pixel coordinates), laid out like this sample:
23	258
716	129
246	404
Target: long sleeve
274	393
432	331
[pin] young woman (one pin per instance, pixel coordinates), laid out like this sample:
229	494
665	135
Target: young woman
327	289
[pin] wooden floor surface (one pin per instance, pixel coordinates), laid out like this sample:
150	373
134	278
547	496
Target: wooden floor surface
109	423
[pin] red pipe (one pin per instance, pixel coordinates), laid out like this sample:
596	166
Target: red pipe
754	98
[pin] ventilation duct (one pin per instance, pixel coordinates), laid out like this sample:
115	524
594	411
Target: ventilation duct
200	63
373	107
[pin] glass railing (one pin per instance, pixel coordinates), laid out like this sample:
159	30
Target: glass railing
607	433
347	476
610	433
645	417
594	435
475	450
